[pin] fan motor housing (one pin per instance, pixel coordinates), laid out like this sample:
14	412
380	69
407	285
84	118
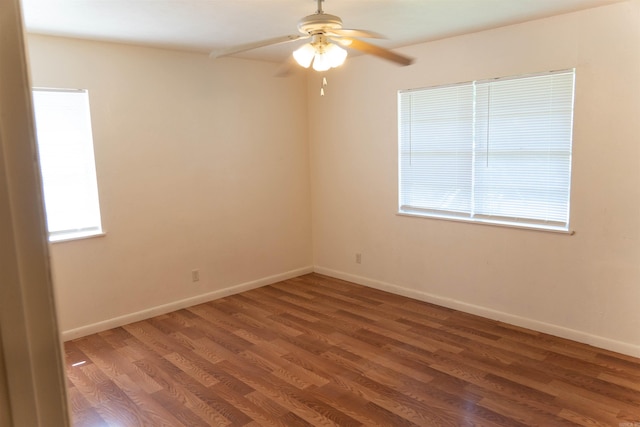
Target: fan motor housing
319	22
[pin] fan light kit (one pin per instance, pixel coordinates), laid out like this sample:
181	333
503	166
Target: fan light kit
323	51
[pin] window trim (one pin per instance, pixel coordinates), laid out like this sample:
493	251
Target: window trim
519	226
73	236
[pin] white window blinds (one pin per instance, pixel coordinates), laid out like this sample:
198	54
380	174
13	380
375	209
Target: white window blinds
492	151
65	146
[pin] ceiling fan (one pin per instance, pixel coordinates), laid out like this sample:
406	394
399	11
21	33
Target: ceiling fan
324	50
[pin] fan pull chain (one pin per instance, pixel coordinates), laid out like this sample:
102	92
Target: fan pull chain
324	83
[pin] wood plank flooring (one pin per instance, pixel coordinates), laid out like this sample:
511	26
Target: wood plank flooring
317	351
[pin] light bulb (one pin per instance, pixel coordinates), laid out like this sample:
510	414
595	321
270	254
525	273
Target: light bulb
304	55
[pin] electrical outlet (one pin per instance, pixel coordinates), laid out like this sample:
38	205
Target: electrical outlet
195	275
358	258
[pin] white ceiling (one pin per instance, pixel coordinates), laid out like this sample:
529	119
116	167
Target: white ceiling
205	25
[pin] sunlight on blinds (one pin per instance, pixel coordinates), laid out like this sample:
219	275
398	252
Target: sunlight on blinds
65	146
490	151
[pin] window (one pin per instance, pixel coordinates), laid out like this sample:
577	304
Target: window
496	151
65	147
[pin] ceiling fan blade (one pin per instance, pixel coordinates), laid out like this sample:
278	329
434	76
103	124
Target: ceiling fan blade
346	32
379	52
254	45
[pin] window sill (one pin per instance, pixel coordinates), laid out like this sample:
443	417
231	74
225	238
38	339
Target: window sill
548	229
69	237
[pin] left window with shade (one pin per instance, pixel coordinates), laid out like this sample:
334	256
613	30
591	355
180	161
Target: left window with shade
67	163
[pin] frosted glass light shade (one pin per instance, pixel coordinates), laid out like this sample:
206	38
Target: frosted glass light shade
321	62
335	55
323	56
304	55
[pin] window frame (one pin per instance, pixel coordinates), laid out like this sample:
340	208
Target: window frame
95	229
471	216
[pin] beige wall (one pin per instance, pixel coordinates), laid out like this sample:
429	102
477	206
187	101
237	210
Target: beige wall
585	286
201	164
180	139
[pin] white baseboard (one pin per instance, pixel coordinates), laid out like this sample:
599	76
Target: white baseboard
559	331
178	305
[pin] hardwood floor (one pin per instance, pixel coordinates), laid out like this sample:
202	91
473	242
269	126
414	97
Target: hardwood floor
317	351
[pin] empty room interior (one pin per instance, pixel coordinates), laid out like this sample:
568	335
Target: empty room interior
253	222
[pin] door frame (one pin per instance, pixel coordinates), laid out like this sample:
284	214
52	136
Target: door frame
32	379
